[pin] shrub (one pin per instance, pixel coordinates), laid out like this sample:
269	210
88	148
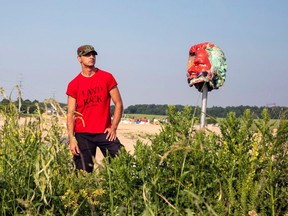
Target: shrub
37	176
183	172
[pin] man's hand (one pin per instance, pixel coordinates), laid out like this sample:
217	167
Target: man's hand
73	146
116	98
111	134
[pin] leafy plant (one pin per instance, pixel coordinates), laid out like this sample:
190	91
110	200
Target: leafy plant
37	176
185	171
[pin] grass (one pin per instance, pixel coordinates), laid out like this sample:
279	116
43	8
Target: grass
182	172
145	116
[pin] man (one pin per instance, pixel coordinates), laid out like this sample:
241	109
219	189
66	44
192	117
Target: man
88	119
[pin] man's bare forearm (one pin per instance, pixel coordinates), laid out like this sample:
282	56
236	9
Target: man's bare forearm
117	115
70	125
70	116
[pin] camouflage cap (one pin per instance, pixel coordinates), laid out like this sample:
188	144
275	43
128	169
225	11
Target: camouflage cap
83	50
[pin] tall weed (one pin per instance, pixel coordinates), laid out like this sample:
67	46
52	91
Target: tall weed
37	176
184	171
196	172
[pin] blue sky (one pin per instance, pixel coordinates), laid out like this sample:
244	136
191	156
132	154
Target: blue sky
145	45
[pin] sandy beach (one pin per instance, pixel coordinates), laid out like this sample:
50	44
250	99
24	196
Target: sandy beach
128	134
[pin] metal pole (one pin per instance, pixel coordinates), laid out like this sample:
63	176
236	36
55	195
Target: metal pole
204	106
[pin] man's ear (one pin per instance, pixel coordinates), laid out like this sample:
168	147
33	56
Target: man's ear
79	59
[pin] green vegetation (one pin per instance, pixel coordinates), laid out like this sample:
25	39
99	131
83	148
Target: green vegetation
183	172
275	112
157	110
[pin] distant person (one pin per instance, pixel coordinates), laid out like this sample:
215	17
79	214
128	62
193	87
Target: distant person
89	122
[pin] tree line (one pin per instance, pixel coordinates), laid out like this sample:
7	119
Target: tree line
275	112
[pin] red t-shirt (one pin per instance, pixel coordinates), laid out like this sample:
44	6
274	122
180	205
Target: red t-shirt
92	100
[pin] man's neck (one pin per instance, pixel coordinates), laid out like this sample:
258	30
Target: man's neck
88	71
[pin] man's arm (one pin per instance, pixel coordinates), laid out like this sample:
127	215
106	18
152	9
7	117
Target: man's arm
70	125
117	100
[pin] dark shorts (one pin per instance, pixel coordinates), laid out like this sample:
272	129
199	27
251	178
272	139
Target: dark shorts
88	143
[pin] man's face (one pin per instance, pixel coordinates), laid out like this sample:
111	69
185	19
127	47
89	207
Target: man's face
198	66
88	60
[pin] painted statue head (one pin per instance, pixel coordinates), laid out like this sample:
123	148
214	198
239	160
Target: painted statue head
206	65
